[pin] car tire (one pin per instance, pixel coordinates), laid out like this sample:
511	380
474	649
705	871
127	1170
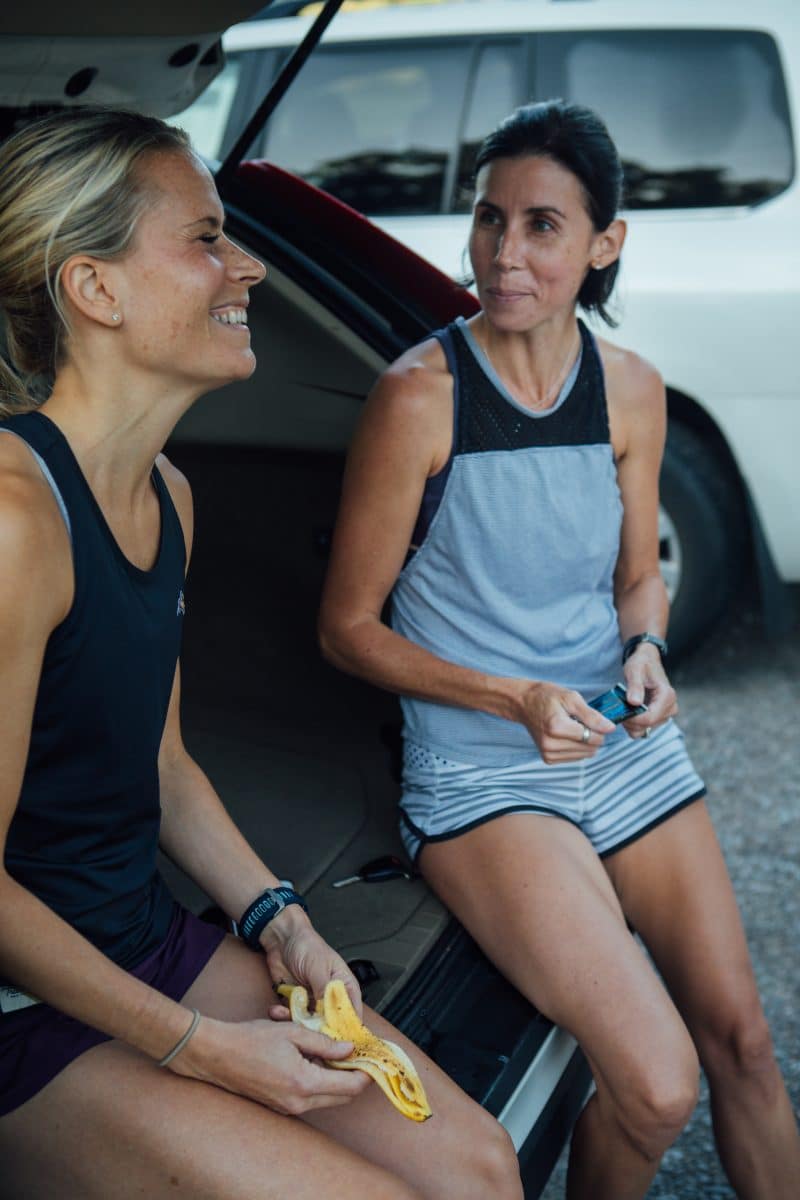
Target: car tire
702	537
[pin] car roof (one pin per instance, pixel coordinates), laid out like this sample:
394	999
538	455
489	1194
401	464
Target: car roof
448	18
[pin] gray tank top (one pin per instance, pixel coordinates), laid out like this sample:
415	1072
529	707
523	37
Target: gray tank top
513	574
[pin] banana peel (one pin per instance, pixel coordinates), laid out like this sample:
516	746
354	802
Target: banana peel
383	1061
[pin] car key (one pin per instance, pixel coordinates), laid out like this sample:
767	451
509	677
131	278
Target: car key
376	871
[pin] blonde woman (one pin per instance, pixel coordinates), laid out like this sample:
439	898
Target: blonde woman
137	1053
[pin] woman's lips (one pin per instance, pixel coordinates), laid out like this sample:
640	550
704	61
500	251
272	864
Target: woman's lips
506	297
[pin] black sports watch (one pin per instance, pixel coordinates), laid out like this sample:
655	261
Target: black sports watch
637	639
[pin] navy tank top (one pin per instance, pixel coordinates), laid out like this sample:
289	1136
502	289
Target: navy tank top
85	833
516	546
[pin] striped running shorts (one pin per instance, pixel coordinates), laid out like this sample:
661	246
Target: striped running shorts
627	788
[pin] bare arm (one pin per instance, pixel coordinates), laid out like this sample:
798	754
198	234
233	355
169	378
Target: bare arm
199	835
638	414
403	437
41	953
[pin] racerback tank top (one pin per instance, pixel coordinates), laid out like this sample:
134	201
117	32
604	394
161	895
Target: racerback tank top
513	575
85	833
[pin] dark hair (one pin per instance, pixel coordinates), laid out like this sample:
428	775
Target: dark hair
577	139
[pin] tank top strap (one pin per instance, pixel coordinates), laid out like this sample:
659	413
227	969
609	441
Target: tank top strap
79	506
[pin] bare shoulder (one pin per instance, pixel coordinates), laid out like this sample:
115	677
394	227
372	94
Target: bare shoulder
630	379
34	542
637	410
181	493
413	399
418	377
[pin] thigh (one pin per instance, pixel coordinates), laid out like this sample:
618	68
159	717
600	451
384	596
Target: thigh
431	1156
536	897
447	1155
113	1123
675	889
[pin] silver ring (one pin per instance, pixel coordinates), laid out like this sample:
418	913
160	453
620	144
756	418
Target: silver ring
647	731
587	733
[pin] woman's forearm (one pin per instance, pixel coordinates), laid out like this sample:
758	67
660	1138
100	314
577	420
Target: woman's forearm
371	650
198	834
643	607
44	956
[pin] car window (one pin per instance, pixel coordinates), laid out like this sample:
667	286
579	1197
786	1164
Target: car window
700	117
206	120
219	114
497	88
375	126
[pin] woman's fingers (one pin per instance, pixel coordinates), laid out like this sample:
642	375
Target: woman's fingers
318	1045
276	1063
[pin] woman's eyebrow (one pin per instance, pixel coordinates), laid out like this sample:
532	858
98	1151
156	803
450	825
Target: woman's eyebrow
213	222
535	210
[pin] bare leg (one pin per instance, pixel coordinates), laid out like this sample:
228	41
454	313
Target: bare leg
535	896
675	888
110	1125
114	1124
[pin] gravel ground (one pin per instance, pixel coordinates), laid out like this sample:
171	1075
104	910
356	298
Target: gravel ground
739	698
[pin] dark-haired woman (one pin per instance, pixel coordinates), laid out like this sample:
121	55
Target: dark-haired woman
503	487
137	1053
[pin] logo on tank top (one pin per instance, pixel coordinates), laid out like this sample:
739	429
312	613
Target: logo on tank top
181	609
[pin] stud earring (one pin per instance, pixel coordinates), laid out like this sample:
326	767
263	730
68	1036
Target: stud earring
115	316
597	266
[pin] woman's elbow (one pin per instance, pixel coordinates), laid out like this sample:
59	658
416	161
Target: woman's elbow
333	641
343	639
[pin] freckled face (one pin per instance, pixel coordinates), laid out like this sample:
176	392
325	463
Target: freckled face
531	242
183	287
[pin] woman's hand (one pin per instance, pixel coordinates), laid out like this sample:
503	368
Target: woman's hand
646	683
561	723
297	954
275	1063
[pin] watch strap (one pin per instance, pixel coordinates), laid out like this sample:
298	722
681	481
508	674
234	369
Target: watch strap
264	909
650	638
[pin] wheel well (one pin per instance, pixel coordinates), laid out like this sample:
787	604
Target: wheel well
686	411
682	408
777	611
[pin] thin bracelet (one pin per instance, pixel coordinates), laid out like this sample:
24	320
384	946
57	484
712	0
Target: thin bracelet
176	1049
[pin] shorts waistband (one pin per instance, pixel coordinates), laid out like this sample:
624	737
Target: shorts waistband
12	999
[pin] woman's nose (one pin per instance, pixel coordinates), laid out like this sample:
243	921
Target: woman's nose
246	267
507	252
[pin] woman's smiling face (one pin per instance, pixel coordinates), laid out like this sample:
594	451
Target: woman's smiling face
532	240
183	287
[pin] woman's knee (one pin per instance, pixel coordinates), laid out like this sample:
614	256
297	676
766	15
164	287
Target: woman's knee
488	1161
659	1101
737	1046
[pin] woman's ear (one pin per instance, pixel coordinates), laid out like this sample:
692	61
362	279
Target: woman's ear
607	245
87	285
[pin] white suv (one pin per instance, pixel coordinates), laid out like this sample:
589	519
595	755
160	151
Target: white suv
702	102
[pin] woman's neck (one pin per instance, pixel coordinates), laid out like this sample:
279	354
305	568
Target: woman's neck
533	363
115	427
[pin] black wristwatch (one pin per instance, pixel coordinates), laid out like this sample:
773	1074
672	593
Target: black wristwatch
265	908
637	639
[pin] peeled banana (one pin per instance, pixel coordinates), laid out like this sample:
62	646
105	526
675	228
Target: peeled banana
383	1061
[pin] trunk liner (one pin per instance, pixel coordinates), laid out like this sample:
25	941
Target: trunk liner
296	750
